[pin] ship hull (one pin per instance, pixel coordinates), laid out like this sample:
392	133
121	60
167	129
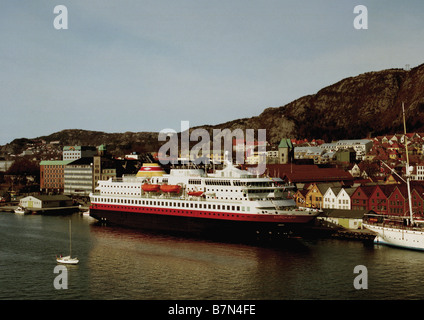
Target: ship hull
241	229
398	237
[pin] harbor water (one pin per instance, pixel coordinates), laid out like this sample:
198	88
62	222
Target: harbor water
118	263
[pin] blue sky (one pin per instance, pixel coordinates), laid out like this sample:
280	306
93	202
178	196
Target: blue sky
147	65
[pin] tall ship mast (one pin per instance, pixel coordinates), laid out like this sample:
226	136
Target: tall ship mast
398	231
230	203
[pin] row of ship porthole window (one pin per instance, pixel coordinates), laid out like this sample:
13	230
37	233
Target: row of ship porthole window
173	204
178	211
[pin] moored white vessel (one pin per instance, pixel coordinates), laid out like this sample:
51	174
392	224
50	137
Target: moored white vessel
21	210
230	202
399	231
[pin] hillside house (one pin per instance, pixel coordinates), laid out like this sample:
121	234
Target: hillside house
361	146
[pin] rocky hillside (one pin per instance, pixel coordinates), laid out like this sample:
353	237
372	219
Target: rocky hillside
355	107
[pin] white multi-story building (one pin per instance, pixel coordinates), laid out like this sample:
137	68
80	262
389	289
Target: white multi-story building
419	172
78	177
77	152
308	152
361	146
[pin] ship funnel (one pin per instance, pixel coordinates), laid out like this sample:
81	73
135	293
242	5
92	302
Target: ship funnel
150	170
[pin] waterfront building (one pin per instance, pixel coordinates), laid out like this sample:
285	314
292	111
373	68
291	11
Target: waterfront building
45	201
360	197
52	176
315	195
417	195
348	219
300	197
398	201
343	198
330	198
379	199
78	176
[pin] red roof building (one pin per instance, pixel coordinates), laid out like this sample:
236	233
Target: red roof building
292	173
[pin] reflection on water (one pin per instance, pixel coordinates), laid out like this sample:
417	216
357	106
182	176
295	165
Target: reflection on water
120	263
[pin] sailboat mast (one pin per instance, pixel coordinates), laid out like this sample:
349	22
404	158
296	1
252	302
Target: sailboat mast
70	239
408	177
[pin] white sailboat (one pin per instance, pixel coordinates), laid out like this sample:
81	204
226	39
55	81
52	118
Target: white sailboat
399	231
68	259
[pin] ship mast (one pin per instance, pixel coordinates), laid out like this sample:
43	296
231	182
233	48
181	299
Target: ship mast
408	174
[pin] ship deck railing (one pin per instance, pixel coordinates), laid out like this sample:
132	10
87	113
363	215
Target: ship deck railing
399	222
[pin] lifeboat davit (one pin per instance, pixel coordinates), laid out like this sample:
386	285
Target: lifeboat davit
150	187
170	188
195	193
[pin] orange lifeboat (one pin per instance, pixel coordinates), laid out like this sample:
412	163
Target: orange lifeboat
195	193
170	188
150	187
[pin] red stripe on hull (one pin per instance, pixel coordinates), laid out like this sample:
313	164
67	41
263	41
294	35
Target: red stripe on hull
233	216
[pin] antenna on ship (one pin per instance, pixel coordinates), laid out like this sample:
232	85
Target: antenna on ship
226	158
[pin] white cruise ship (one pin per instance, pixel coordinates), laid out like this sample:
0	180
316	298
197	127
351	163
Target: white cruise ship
230	202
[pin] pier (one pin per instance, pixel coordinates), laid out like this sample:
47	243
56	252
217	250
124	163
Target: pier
349	234
326	229
44	211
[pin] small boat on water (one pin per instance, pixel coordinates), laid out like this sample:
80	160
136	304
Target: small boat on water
21	210
68	259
